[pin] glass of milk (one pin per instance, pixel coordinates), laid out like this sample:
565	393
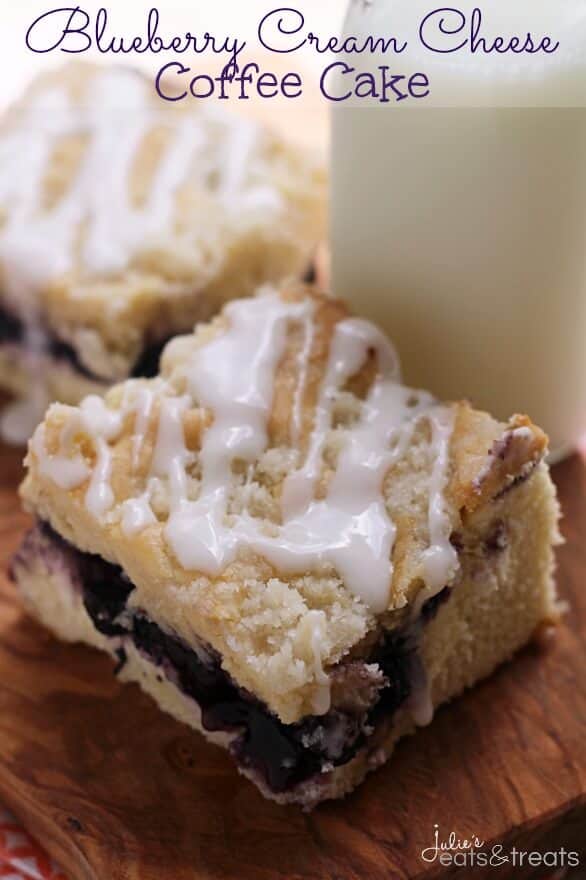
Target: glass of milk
459	224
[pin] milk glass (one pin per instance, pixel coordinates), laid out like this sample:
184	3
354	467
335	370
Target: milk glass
460	224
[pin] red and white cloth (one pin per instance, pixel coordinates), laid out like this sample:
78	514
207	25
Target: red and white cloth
21	858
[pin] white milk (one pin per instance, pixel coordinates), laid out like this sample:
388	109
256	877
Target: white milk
462	230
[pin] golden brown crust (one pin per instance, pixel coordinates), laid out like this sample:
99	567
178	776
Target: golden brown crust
489	457
254	615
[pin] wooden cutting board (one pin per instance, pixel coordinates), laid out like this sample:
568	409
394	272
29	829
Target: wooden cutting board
117	791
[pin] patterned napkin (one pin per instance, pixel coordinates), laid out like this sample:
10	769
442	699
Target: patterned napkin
23	859
20	857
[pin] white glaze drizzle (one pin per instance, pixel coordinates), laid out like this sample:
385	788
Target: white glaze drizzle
117	114
233	377
38	245
68	470
316	620
349	529
99	496
440	560
65	470
104	425
170	456
347	355
142	406
137	514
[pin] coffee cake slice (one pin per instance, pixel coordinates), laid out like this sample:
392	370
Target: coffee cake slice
126	219
291	551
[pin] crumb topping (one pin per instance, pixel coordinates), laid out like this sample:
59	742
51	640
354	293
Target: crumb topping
277	499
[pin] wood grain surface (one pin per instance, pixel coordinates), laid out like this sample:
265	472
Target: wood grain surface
118	791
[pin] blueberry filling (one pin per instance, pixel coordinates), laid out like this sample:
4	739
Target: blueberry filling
265	744
147	364
105	592
433	605
283	755
12	330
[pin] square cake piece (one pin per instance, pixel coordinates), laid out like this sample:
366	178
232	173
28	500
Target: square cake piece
126	219
291	551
